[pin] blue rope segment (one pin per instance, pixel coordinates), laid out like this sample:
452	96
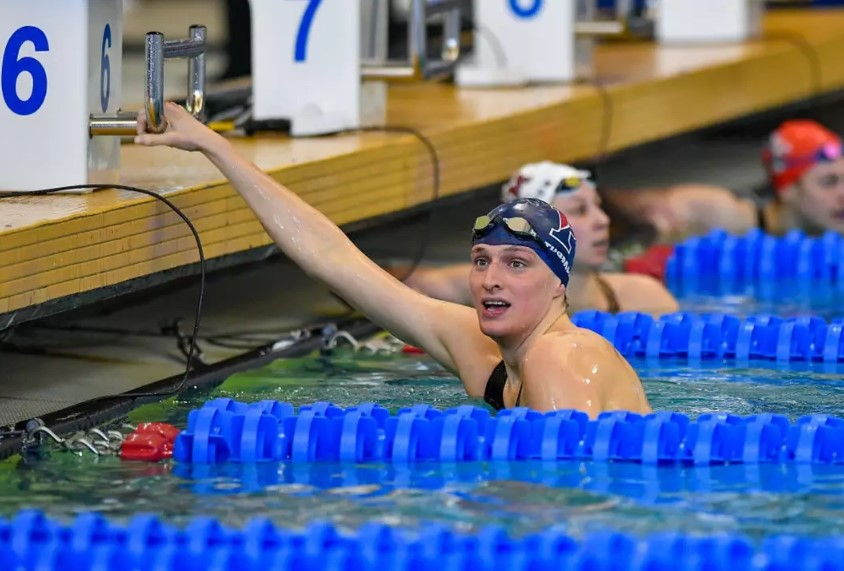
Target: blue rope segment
32	541
224	430
757	263
711	337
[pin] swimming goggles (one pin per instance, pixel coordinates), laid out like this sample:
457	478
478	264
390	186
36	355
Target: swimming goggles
571	184
517	225
827	153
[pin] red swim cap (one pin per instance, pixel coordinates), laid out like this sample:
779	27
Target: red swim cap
795	147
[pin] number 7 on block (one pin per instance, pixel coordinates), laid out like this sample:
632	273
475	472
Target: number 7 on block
300	52
306	60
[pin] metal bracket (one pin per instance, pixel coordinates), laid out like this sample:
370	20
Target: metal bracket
418	67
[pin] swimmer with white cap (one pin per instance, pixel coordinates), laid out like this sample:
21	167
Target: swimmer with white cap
515	347
573	192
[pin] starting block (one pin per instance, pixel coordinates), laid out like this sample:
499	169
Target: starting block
61	74
525	41
696	21
322	65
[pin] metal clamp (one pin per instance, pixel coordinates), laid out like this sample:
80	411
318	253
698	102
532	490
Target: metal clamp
158	50
95	440
417	66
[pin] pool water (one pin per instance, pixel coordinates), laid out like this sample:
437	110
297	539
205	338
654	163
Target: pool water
826	305
579	497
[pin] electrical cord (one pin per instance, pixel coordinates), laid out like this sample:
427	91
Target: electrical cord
235	114
435	191
192	348
243	340
251	126
608	115
492	40
809	53
606	99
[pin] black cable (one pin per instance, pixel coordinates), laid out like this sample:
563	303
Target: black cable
809	53
603	148
435	191
251	126
606	99
191	354
492	39
231	340
797	40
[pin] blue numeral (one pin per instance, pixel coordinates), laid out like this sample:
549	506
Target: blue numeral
300	53
105	70
13	67
525	12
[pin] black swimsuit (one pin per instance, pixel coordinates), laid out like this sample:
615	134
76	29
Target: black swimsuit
494	392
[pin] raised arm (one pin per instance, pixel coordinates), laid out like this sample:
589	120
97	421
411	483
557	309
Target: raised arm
448	332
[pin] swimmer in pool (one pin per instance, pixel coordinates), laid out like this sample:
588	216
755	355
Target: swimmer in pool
806	173
515	347
573	192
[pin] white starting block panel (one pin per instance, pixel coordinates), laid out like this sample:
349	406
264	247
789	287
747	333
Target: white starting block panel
306	65
698	21
521	41
60	61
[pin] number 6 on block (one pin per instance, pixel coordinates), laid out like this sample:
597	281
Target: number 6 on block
59	63
306	63
520	41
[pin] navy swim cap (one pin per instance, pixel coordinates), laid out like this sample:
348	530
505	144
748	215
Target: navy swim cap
534	224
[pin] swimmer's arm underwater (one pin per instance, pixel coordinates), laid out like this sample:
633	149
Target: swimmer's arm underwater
448	332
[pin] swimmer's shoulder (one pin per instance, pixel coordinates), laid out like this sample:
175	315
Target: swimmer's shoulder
638	292
583	365
577	346
585	353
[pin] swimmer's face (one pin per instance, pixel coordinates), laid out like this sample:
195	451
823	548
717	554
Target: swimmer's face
818	198
512	290
590	223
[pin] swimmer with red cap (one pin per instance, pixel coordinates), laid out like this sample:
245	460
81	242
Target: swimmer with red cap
515	347
805	169
573	192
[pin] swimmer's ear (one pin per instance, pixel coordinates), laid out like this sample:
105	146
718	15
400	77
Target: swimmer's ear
789	195
560	290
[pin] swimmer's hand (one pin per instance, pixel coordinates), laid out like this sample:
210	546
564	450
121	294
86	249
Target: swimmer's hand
183	130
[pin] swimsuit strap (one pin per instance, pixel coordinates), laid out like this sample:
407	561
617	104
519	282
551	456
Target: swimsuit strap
760	218
612	301
494	392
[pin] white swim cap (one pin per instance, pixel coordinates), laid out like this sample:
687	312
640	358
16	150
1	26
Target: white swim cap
544	181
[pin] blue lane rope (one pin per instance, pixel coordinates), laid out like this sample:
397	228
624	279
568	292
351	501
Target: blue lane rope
711	337
32	541
224	430
757	263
